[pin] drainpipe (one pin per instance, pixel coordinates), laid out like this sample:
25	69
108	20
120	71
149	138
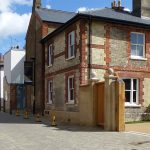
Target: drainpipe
89	45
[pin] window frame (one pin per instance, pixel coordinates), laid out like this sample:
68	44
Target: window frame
71	101
70	44
144	44
131	103
50	91
50	55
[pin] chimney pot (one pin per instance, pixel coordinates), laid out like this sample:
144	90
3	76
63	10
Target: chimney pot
114	4
36	4
119	3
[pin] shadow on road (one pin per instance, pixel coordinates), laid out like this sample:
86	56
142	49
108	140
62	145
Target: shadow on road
6	118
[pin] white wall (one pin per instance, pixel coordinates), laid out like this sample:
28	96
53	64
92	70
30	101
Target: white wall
14	66
17	66
7	66
1	83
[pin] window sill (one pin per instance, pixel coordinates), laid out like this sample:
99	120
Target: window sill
70	103
138	58
70	58
49	103
132	105
50	66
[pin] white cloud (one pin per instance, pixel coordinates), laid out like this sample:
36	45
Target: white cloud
24	2
48	6
82	9
6	5
127	9
12	23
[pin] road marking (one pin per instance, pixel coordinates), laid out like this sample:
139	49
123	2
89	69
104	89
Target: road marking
138	133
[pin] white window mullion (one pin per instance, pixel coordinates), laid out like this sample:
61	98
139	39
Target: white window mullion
71	89
68	90
50	92
136	43
144	46
137	92
131	96
49	56
73	38
132	91
71	44
50	53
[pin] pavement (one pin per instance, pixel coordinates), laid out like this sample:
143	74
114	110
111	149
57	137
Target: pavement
17	133
139	127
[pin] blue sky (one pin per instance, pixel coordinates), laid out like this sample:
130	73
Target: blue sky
15	15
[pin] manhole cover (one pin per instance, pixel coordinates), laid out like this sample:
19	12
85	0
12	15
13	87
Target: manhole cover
139	143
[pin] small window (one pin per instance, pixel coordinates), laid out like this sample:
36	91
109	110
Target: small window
137	45
71	95
50	92
131	91
71	45
50	55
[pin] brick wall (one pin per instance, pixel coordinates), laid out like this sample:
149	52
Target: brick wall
9	97
110	48
98	54
117	55
60	97
61	69
36	31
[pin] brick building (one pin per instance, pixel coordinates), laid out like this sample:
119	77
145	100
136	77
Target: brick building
42	22
1	81
85	47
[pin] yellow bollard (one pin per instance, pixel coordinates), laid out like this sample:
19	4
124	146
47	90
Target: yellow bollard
53	121
26	115
17	112
38	118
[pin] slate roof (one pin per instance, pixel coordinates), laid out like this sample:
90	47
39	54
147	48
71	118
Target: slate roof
117	15
108	15
57	16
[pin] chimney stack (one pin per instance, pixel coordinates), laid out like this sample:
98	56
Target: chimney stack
141	8
115	7
36	4
114	4
119	3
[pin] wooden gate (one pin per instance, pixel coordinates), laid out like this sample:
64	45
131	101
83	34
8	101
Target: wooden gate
100	103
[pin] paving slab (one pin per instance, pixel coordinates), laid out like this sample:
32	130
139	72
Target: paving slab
139	127
17	133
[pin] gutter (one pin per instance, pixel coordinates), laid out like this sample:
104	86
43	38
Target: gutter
86	16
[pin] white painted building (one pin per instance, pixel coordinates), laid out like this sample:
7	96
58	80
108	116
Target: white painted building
14	66
14	79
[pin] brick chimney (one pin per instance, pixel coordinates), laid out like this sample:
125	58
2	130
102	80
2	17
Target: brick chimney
36	4
114	4
117	6
141	8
